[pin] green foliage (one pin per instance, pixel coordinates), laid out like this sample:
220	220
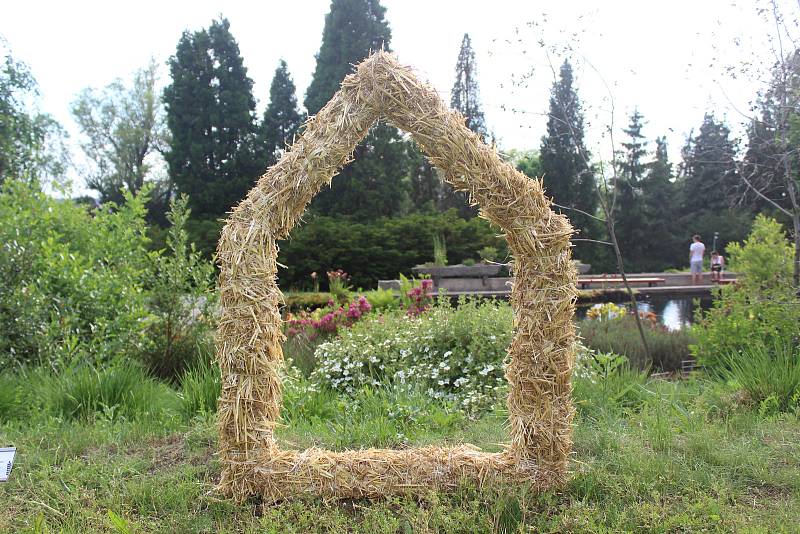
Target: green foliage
453	353
210	114
664	240
380	249
368	31
564	158
32	145
527	162
621	336
200	388
180	298
382	299
765	258
761	308
73	282
604	382
439	251
375	184
465	97
488	254
710	180
304	300
282	119
769	374
116	391
629	213
123	126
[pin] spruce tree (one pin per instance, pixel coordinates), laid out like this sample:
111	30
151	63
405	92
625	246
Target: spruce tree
465	97
661	247
710	179
563	156
709	186
210	113
375	184
282	119
629	212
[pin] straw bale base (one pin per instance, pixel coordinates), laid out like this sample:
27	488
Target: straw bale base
373	473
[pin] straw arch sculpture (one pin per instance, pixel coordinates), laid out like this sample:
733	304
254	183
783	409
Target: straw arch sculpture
540	357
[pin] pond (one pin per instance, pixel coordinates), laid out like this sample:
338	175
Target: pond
673	311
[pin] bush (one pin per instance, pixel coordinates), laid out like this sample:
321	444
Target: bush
116	391
73	281
761	308
769	374
453	353
200	388
382	299
621	336
296	301
181	300
606	383
378	250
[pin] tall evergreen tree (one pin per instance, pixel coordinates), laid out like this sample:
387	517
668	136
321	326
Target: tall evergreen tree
629	212
662	249
374	185
710	181
709	184
465	97
563	156
353	29
282	119
210	113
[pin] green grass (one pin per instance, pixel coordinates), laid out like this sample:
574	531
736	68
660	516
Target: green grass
682	457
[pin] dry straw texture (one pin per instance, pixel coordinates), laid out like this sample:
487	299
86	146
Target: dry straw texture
250	335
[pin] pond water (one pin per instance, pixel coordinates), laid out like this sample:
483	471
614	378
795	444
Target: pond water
674	312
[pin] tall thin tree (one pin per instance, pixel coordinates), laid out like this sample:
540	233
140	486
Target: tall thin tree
282	118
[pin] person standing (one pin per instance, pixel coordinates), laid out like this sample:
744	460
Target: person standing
696	252
717	265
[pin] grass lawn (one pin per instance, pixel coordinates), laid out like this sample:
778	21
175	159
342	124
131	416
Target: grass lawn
674	463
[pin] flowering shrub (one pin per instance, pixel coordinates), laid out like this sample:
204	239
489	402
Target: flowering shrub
337	284
453	353
606	312
327	320
417	295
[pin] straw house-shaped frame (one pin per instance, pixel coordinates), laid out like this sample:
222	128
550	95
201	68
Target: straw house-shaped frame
249	338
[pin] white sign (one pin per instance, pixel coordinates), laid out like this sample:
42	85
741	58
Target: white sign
6	461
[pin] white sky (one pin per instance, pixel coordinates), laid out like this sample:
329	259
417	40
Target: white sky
662	57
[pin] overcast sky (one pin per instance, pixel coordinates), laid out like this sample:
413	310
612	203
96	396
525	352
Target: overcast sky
664	58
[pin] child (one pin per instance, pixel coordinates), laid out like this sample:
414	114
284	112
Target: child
717	264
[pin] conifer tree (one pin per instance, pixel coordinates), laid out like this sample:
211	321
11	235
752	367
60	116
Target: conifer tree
564	158
662	242
375	184
710	179
629	212
465	97
210	113
282	118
